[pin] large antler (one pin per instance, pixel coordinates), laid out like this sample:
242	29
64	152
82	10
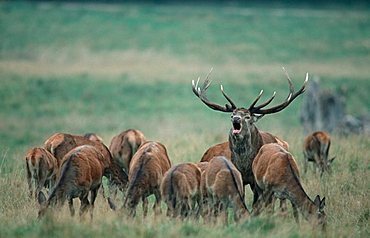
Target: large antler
200	92
277	108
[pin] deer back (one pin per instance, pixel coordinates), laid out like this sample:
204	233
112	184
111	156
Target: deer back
125	145
221	149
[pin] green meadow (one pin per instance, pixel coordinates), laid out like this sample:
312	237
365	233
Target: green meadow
105	68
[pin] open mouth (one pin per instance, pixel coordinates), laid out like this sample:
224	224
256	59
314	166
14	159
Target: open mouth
237	127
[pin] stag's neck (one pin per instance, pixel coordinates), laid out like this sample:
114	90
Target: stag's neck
246	145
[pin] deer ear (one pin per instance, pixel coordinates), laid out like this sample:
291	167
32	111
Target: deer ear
317	200
322	204
332	159
41	198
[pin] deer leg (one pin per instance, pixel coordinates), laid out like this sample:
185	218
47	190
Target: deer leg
305	164
157	204
295	213
94	193
145	205
71	208
283	206
84	204
29	181
225	213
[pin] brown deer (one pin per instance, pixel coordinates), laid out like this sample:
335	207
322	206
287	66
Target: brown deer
81	171
316	150
180	190
224	188
125	145
276	174
41	168
147	169
93	137
244	138
223	149
60	144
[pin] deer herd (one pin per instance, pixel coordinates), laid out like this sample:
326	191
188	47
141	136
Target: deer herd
72	166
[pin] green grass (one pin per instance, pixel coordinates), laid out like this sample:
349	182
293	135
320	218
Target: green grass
105	68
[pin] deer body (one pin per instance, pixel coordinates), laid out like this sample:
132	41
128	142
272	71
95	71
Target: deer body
276	174
316	150
180	189
41	168
60	144
81	171
224	188
147	169
125	145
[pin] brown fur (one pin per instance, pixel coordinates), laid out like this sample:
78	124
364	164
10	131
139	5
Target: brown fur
41	167
223	149
81	171
60	144
93	137
316	150
180	189
225	188
147	168
125	145
276	174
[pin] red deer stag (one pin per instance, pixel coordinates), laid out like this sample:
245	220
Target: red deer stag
276	174
180	190
81	171
125	145
41	168
224	188
147	168
60	144
316	149
245	139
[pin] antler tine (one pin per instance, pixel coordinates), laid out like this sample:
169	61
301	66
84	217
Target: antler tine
233	106
256	100
267	102
200	92
291	96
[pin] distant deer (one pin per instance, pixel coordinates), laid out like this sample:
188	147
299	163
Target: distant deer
180	190
316	150
245	139
81	171
276	174
125	145
147	169
41	168
224	189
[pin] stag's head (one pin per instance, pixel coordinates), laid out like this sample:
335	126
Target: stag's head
243	119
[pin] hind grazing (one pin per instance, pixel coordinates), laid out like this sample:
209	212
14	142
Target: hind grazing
81	171
125	145
316	150
147	168
180	190
60	144
41	168
276	174
224	189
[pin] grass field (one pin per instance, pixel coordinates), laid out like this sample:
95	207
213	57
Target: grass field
104	68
